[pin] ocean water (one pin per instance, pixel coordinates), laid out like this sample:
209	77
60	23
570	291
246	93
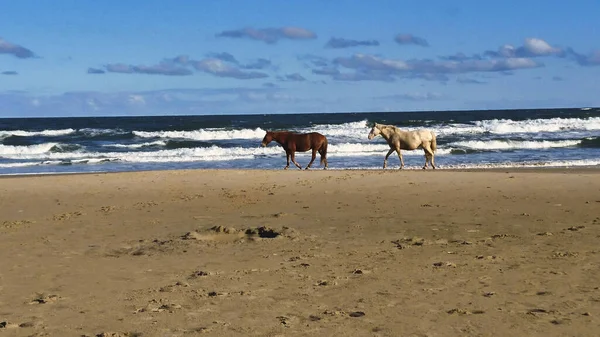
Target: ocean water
466	139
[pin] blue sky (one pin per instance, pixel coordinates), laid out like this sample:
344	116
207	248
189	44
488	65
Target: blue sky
103	58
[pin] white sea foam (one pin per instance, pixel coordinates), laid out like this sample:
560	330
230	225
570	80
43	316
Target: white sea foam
508	126
94	132
173	155
354	130
529	164
62	132
25	151
205	134
514	144
21	164
137	146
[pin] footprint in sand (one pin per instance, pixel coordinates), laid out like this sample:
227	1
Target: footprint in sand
107	209
173	287
503	236
199	273
337	313
408	242
222	233
67	216
159	306
141	205
187	197
191	331
15	224
460	311
444	264
488	257
9	325
324	283
360	271
117	334
44	299
149	248
565	254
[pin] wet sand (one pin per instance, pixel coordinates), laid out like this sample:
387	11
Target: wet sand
295	253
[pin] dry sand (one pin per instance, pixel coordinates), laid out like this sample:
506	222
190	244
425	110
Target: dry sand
343	253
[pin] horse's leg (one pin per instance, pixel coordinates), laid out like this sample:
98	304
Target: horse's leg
294	160
428	155
387	156
314	155
287	155
400	157
323	158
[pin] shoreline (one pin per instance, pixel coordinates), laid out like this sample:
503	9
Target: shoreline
529	169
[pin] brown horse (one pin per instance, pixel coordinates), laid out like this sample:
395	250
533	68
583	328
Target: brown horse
301	142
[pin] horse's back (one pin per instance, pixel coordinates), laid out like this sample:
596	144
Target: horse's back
316	139
317	136
425	134
307	141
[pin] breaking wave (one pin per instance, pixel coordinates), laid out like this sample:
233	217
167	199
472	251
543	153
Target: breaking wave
204	134
508	126
515	144
47	133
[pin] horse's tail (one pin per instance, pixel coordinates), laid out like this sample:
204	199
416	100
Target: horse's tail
323	152
433	142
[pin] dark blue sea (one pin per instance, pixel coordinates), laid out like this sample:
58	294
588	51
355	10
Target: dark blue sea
466	139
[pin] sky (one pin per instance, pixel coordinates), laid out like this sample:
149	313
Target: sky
109	58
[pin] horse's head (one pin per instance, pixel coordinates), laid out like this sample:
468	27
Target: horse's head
268	138
374	131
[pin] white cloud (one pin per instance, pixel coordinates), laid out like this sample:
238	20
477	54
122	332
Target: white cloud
539	47
269	35
219	68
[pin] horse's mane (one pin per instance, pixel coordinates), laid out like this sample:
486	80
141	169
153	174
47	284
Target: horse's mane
393	127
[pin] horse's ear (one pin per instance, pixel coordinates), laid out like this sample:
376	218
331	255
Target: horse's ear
371	124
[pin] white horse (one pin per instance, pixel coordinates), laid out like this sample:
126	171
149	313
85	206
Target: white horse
406	140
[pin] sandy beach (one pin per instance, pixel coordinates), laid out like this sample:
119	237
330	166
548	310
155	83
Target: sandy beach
296	253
